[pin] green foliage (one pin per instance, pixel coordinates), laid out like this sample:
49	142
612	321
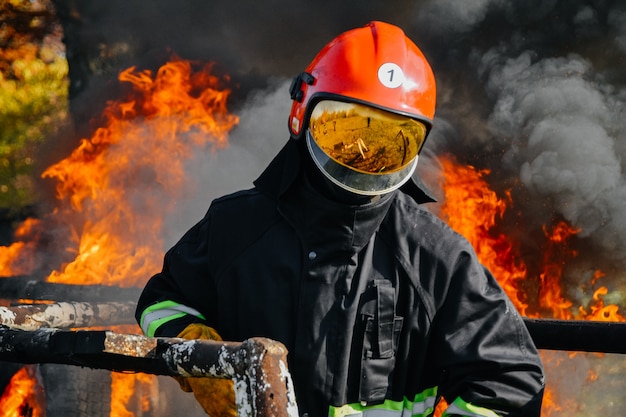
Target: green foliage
33	102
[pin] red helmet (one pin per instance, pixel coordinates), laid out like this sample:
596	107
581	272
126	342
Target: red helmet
373	77
375	65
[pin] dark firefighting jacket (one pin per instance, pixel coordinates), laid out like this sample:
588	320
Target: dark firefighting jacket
382	307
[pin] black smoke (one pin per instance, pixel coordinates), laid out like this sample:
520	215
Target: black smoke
533	90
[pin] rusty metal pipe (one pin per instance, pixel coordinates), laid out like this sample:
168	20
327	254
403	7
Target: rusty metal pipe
258	366
67	315
550	334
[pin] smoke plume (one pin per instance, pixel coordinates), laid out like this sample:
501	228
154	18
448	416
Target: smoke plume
548	104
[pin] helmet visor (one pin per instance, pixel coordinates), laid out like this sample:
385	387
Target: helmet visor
366	139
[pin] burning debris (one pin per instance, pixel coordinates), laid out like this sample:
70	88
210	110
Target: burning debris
258	366
116	187
24	394
473	209
113	192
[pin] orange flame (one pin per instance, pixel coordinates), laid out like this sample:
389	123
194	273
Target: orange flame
116	229
19	257
599	311
125	386
472	209
555	255
145	143
23	396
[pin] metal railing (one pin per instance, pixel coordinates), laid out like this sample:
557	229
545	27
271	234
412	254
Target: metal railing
258	366
37	333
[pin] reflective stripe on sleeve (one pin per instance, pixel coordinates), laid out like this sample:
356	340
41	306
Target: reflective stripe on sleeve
160	313
422	405
465	409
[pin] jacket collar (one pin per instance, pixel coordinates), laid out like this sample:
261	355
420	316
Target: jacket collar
283	170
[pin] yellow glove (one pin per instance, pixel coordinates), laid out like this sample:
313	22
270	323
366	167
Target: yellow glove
215	395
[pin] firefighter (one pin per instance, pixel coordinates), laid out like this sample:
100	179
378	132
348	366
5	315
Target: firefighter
383	308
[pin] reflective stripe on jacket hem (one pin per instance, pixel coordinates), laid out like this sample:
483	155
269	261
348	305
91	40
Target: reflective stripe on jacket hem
465	409
160	313
421	406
